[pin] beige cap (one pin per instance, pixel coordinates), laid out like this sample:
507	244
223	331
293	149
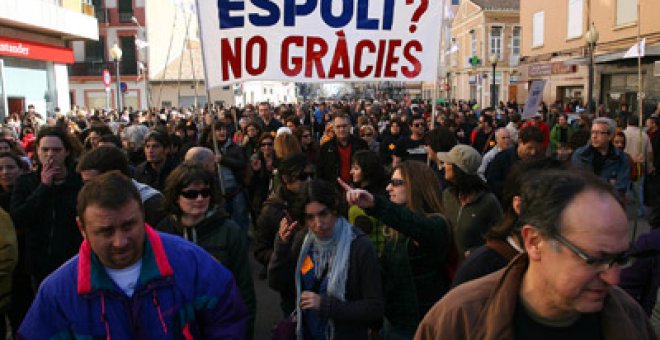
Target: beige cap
463	156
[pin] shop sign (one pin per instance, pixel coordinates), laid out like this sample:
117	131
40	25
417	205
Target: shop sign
32	50
550	69
539	70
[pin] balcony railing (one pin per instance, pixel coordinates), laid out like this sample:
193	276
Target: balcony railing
95	68
88	68
125	17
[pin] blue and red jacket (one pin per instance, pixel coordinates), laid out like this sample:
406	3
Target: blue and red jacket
182	293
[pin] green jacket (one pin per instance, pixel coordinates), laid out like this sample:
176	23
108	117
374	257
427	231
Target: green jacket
413	262
8	256
471	222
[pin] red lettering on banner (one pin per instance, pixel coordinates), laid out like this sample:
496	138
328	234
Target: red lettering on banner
297	62
340	57
230	58
249	55
298	52
392	60
417	65
359	49
379	61
314	57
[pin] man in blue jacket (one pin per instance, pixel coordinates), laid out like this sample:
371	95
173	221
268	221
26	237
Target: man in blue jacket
130	282
601	157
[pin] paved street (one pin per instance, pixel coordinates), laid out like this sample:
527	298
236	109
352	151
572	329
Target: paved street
268	303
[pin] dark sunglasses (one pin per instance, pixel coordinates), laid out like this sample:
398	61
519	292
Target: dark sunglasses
305	175
192	194
368	135
418	124
266	144
397	182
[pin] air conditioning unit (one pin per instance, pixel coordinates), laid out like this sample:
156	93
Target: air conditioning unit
656	69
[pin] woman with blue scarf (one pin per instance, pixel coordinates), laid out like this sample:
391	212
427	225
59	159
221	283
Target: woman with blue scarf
332	266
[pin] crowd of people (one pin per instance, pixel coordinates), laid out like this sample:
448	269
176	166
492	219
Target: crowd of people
372	220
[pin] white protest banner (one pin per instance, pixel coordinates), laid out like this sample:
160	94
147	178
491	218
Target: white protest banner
534	99
319	40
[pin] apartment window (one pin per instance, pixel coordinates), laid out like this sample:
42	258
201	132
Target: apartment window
626	12
455	2
515	41
538	25
95	51
128	59
125	10
575	15
473	43
496	41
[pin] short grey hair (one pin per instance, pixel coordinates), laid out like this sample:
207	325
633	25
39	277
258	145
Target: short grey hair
611	124
500	131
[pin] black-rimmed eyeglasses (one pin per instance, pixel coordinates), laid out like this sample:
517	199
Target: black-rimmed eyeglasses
600	264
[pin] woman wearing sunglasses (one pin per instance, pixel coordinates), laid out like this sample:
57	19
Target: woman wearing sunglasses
415	257
259	182
193	213
332	267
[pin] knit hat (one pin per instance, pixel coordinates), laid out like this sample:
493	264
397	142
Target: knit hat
463	156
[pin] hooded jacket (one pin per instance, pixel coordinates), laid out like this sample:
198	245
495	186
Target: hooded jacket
182	293
225	241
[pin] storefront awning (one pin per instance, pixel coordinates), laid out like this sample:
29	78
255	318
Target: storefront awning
651	51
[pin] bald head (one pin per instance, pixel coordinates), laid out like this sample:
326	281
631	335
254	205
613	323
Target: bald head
203	156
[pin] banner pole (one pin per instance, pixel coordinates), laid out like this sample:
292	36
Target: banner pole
640	95
209	103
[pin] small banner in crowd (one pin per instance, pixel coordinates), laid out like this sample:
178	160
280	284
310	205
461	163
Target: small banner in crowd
320	40
534	99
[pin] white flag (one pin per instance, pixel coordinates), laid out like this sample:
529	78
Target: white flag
633	52
141	43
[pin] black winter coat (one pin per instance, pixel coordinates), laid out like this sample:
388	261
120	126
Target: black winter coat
328	165
47	216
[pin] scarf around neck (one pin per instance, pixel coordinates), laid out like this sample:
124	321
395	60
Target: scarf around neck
335	253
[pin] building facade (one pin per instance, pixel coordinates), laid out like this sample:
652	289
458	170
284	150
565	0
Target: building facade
161	64
480	29
555	48
34	52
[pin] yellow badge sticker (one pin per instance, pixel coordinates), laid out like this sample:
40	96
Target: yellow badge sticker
391	146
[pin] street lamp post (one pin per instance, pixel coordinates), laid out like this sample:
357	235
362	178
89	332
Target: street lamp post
493	61
592	38
115	54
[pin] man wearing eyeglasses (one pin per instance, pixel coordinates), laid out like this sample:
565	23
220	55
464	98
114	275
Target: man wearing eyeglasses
601	157
334	158
411	147
575	235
